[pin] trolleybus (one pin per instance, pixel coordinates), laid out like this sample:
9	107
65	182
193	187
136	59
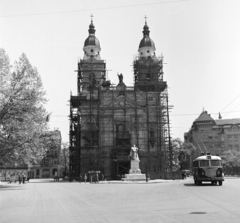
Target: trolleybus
208	168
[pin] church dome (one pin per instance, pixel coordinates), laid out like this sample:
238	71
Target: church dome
146	47
92	45
146	40
92	39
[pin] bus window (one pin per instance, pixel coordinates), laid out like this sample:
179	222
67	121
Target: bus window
215	162
204	163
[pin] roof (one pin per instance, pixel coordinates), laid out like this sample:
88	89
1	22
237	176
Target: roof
204	116
146	41
206	158
92	41
233	121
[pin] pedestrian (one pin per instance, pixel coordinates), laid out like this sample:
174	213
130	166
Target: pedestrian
9	178
56	176
23	178
19	178
85	178
102	177
80	178
97	179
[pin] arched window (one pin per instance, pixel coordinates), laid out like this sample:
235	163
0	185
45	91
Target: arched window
148	76
120	128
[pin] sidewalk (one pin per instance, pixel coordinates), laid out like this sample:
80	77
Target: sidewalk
3	183
50	180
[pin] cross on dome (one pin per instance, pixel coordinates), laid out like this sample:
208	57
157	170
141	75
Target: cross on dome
145	19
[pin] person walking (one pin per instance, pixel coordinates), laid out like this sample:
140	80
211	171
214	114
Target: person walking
102	177
80	178
19	178
23	178
9	178
56	176
85	178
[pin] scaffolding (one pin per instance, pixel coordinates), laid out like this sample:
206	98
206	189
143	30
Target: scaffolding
107	120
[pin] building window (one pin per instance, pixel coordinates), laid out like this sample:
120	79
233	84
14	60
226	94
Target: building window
235	137
230	147
148	76
150	98
236	147
229	137
205	139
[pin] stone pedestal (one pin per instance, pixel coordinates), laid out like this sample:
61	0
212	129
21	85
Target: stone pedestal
134	167
134	173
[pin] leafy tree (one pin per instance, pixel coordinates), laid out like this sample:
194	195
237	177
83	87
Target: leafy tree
23	118
231	158
181	151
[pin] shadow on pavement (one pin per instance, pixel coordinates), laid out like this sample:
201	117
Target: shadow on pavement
10	187
202	185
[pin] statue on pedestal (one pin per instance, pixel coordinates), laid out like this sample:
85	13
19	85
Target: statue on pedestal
134	172
134	153
120	77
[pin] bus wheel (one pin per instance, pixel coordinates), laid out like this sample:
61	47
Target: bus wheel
195	182
199	182
220	183
212	182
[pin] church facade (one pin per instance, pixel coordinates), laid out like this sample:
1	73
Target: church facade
106	120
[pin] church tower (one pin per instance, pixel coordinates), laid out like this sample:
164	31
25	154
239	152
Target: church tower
151	91
91	69
147	67
84	108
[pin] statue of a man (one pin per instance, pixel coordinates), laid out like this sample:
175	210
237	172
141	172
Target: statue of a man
120	76
134	153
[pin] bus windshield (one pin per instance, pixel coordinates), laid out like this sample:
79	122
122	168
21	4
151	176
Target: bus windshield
215	162
204	163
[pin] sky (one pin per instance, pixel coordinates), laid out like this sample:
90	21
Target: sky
199	39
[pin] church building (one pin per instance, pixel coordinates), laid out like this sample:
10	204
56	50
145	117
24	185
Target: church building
106	120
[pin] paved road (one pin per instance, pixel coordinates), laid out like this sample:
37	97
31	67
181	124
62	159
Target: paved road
171	201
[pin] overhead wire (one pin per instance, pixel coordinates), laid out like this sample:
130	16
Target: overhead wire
227	113
93	9
230	104
214	113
